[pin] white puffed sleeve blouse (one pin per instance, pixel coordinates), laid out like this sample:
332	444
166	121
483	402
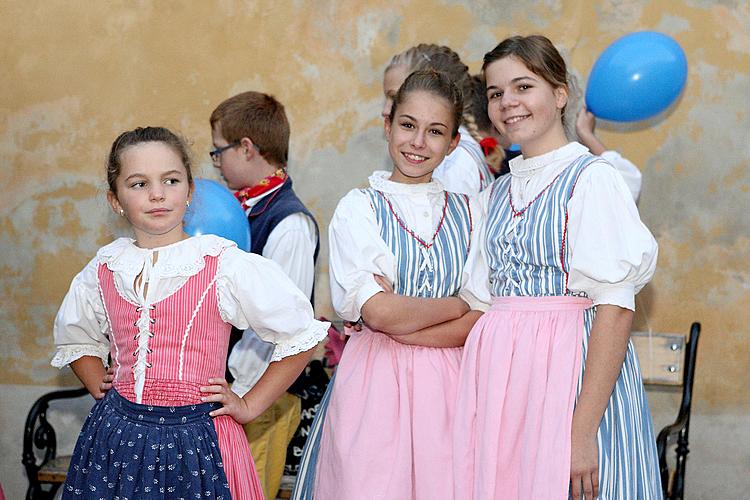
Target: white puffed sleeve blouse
357	251
252	292
612	253
461	171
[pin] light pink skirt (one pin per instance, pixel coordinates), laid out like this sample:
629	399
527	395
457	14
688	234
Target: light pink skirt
387	432
516	395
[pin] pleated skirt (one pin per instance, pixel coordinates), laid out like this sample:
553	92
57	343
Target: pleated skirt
517	391
521	373
386	432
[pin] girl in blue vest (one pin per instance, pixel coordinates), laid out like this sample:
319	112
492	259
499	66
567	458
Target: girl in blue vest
404	259
551	401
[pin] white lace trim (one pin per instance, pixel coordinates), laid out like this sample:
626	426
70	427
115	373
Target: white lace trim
303	342
527	167
182	259
67	354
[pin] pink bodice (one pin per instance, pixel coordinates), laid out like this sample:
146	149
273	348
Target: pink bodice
163	353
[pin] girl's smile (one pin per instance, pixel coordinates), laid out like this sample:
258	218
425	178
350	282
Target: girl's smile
419	137
414	158
524	107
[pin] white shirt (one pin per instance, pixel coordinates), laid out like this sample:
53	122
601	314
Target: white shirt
612	253
252	292
459	171
357	251
629	172
291	244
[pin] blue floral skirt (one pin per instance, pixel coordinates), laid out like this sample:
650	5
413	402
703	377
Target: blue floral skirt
132	451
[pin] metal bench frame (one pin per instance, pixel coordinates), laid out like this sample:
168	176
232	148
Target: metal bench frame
39	438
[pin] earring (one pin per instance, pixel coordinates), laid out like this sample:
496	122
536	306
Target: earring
187	203
122	213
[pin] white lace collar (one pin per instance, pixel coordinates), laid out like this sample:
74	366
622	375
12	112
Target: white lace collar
380	180
184	258
527	167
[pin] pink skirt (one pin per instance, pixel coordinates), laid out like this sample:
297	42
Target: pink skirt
238	461
517	391
387	432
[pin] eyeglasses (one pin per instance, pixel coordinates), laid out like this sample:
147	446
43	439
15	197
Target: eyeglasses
216	153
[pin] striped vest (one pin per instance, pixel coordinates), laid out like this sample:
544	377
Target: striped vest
527	245
162	354
430	269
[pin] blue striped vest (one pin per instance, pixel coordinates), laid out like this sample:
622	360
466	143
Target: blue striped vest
426	268
527	245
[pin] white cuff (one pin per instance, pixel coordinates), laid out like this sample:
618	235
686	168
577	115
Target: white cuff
304	342
621	294
69	353
474	303
365	293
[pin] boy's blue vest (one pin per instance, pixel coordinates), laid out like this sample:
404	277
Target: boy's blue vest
271	210
264	217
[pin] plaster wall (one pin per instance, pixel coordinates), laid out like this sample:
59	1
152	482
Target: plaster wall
77	73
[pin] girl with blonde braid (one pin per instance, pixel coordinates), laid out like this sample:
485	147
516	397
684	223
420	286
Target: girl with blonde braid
465	170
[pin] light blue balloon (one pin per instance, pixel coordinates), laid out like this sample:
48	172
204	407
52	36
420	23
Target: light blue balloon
636	77
215	210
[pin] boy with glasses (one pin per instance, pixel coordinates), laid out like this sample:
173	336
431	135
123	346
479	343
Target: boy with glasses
250	134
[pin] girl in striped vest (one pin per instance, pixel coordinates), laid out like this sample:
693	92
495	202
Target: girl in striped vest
159	308
551	401
463	170
403	258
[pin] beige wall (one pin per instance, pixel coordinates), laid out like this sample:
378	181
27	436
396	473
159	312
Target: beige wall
77	73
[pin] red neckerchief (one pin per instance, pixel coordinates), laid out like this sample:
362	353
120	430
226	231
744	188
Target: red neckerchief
269	183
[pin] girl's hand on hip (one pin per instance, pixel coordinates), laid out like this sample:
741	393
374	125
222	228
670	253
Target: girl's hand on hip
232	404
584	467
106	382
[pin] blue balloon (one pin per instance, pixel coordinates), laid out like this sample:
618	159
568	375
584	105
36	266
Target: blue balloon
215	210
636	77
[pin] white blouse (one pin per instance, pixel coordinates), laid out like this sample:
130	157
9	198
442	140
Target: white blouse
459	171
629	172
612	253
252	292
357	251
291	244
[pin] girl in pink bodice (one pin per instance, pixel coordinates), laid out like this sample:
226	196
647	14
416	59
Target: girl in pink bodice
160	308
